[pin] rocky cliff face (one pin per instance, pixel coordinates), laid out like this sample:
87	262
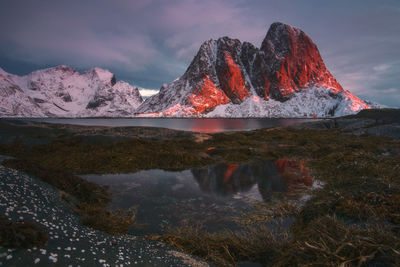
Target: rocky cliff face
293	62
63	92
286	77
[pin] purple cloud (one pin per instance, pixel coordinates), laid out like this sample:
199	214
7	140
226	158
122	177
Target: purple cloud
151	42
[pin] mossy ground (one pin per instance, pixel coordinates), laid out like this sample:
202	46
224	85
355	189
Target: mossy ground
21	234
353	220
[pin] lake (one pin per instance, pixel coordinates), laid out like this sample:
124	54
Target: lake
205	125
212	197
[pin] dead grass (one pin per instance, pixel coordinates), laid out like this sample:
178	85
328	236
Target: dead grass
224	248
328	241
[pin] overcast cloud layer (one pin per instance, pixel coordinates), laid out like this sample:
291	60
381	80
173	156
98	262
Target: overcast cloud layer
151	42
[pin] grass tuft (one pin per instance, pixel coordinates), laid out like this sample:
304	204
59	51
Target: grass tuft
21	234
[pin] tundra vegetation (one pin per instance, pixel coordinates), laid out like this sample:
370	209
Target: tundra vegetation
352	220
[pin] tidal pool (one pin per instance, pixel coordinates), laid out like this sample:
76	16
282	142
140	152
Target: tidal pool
211	197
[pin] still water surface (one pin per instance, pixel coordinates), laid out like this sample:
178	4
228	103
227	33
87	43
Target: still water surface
206	125
211	197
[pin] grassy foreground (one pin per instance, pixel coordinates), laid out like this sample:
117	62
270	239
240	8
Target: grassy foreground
354	220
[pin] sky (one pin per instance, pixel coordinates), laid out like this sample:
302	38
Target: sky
151	42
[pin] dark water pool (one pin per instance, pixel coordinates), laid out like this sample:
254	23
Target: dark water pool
206	125
211	197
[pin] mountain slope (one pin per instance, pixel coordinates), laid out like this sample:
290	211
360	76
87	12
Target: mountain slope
63	92
286	77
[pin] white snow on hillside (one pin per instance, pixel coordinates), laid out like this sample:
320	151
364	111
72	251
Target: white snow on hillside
63	92
315	102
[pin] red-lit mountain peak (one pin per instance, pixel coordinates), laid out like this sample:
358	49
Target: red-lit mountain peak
287	69
295	62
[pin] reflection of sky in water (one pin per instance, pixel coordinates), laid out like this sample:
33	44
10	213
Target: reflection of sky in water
211	125
209	196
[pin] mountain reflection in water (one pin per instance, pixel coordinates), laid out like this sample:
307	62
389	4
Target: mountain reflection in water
228	179
211	196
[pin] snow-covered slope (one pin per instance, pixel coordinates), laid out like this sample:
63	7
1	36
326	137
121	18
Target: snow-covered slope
63	92
286	77
314	102
374	104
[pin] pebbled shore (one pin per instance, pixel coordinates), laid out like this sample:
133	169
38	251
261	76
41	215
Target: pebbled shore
24	198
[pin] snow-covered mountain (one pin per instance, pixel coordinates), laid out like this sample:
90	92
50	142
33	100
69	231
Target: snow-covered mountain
63	92
286	77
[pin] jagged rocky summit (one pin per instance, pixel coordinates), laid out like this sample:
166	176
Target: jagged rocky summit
63	92
285	77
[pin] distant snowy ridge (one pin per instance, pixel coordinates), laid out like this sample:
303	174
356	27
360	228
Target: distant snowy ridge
285	77
374	104
63	92
145	92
